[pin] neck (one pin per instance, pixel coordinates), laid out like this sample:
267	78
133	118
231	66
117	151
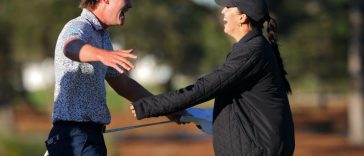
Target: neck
245	28
97	11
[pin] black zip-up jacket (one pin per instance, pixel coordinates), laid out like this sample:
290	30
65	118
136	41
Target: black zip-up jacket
252	116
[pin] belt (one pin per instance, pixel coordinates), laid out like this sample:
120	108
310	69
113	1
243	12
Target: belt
88	125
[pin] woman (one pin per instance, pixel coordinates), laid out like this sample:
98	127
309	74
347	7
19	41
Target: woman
251	115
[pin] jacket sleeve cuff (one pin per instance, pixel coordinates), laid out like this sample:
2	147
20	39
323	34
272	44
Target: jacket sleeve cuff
139	110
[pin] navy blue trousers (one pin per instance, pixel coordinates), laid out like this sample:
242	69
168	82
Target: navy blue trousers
76	139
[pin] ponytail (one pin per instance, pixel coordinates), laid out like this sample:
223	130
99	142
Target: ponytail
272	37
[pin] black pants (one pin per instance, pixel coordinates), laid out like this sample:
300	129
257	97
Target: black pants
76	139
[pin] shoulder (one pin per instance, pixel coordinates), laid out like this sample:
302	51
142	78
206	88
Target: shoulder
254	46
78	24
77	28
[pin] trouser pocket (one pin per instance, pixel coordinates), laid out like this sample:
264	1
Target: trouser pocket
66	140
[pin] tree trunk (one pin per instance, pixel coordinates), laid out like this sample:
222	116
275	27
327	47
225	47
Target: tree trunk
356	106
6	91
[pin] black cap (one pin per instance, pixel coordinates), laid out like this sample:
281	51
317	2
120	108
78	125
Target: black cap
255	9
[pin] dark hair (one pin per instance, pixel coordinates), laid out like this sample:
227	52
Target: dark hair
88	3
272	37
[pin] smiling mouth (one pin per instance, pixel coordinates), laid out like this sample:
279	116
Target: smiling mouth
123	13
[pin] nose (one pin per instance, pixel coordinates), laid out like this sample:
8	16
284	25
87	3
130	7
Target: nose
223	10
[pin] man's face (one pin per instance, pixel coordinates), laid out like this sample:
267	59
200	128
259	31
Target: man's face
115	12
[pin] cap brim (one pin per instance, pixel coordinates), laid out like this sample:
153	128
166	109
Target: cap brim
224	3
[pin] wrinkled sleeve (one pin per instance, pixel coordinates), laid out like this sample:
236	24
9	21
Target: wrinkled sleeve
237	66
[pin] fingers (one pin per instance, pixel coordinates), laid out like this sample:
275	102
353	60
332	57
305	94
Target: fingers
117	68
127	53
118	60
132	110
126	64
122	60
175	117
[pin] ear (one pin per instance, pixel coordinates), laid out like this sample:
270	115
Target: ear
243	18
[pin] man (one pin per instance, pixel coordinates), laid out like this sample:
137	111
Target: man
84	58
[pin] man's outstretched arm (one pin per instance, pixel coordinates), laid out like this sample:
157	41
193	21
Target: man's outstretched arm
78	50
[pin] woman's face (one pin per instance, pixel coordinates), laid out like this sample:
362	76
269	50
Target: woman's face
232	20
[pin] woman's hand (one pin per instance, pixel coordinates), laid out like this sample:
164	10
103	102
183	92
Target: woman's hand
176	117
173	116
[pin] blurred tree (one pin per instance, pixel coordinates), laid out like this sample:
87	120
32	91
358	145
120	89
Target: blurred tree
186	36
356	69
36	25
6	90
314	38
29	30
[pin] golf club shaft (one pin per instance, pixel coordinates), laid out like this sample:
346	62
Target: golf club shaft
136	126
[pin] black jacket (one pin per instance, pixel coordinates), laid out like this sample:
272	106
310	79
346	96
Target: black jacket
252	115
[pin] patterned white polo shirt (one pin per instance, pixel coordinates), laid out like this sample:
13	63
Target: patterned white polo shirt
80	87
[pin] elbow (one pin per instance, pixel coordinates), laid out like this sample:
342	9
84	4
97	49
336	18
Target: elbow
72	49
68	54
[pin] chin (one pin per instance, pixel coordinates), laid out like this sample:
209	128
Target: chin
226	31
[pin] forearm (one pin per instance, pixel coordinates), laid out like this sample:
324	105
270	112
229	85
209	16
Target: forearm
128	88
134	91
78	50
205	88
173	101
237	68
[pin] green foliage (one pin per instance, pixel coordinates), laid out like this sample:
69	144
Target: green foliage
314	42
180	33
36	25
215	44
28	31
42	99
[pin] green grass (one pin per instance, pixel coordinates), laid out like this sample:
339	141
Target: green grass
41	99
118	103
22	145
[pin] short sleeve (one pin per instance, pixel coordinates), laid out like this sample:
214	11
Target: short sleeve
78	29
